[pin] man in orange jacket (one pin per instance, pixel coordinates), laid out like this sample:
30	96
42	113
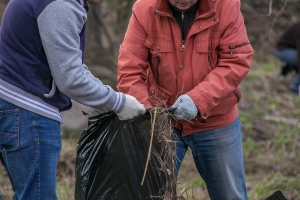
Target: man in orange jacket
190	56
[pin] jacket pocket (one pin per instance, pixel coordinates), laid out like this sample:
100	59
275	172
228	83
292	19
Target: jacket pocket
159	55
208	49
228	102
52	91
9	129
157	95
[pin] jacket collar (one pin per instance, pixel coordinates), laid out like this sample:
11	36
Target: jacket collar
190	12
205	8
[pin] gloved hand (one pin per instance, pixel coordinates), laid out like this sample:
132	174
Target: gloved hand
131	109
184	108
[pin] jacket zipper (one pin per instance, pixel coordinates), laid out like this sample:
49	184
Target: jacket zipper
182	17
182	21
237	95
182	45
232	47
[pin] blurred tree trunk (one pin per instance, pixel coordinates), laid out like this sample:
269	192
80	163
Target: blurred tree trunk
96	53
106	26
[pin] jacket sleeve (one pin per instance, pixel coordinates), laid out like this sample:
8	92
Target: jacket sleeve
235	57
133	61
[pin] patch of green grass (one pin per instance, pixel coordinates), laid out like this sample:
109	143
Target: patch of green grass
271	182
249	144
256	112
280	140
295	131
268	65
244	120
296	99
197	183
65	191
267	68
253	77
263	191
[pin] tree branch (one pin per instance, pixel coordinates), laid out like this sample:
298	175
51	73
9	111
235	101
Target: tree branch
275	19
105	31
270	7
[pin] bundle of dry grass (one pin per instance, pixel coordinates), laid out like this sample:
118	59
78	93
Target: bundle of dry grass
162	132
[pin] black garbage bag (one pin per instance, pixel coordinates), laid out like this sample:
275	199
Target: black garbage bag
111	160
278	195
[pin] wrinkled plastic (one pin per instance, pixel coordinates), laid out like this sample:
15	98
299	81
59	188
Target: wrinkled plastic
111	159
278	195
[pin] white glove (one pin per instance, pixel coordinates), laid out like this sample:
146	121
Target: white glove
184	108
131	109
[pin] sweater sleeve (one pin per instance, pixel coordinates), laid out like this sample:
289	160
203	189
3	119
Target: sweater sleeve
59	25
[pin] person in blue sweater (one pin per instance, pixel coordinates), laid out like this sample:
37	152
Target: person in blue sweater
41	69
288	51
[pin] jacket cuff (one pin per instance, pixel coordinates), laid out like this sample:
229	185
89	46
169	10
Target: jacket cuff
200	103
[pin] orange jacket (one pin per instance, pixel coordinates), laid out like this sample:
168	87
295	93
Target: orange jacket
156	67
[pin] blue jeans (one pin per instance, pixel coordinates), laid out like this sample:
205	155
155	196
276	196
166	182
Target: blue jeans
30	145
218	156
288	55
294	86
